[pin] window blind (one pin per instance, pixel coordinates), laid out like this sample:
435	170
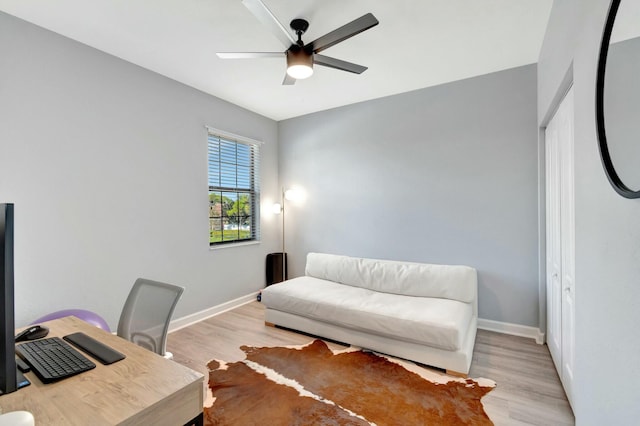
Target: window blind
233	167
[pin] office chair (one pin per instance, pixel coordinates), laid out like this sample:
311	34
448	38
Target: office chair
146	314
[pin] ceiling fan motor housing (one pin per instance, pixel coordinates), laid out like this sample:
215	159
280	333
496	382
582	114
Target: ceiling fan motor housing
299	58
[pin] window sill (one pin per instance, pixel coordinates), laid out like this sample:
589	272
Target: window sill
231	245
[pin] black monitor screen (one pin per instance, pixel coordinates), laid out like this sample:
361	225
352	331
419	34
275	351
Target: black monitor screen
7	329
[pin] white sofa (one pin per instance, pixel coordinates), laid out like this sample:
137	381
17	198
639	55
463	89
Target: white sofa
421	312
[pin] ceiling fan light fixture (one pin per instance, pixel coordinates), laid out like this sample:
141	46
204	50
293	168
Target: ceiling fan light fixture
299	64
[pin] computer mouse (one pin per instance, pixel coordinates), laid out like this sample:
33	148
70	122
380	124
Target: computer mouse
32	333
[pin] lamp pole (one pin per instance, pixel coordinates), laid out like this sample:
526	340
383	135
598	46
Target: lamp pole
284	253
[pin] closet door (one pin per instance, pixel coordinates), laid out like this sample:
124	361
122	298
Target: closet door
561	241
554	244
567	213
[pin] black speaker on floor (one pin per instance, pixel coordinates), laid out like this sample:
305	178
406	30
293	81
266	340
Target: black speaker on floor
275	267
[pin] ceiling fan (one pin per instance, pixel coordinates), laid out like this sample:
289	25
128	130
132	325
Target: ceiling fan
301	56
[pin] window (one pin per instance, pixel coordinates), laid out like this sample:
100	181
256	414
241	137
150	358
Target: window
234	194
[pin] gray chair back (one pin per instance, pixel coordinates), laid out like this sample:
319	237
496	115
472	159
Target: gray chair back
147	312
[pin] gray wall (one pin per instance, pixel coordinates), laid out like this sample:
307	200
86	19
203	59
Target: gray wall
442	175
106	164
607	374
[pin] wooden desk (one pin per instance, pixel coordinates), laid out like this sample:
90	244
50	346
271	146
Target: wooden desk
142	389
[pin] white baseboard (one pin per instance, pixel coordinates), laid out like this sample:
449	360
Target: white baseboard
188	320
513	329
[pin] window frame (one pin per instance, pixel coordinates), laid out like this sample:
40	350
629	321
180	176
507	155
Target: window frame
252	190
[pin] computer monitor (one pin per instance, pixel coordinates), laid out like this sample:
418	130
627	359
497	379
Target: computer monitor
10	378
7	329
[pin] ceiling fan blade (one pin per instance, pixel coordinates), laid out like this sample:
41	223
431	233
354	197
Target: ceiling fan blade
249	55
268	19
288	80
344	32
338	64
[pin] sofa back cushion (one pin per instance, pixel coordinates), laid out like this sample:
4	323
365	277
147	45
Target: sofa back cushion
410	279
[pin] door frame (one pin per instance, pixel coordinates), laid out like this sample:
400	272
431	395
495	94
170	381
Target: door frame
563	89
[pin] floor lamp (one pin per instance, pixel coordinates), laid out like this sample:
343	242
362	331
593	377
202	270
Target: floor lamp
279	208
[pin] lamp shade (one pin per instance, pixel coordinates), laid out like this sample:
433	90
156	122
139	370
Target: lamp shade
299	63
292	194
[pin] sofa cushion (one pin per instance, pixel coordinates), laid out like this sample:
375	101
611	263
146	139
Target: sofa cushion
410	279
441	323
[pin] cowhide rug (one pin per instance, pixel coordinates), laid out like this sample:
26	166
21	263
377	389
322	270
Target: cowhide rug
311	385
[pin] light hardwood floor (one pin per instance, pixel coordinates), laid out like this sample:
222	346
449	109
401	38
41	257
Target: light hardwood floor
528	390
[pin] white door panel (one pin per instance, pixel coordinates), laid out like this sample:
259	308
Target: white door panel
554	261
561	240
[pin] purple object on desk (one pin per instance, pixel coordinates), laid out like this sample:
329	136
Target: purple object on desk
86	316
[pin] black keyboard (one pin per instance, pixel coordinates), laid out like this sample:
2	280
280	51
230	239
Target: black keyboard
53	359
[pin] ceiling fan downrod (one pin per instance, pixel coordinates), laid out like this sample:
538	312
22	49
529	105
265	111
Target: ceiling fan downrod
300	26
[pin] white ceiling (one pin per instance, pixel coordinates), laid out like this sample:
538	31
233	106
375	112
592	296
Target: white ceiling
418	43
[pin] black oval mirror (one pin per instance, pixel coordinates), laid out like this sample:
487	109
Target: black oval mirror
618	98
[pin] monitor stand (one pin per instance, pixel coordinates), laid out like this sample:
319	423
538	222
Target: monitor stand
21	381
